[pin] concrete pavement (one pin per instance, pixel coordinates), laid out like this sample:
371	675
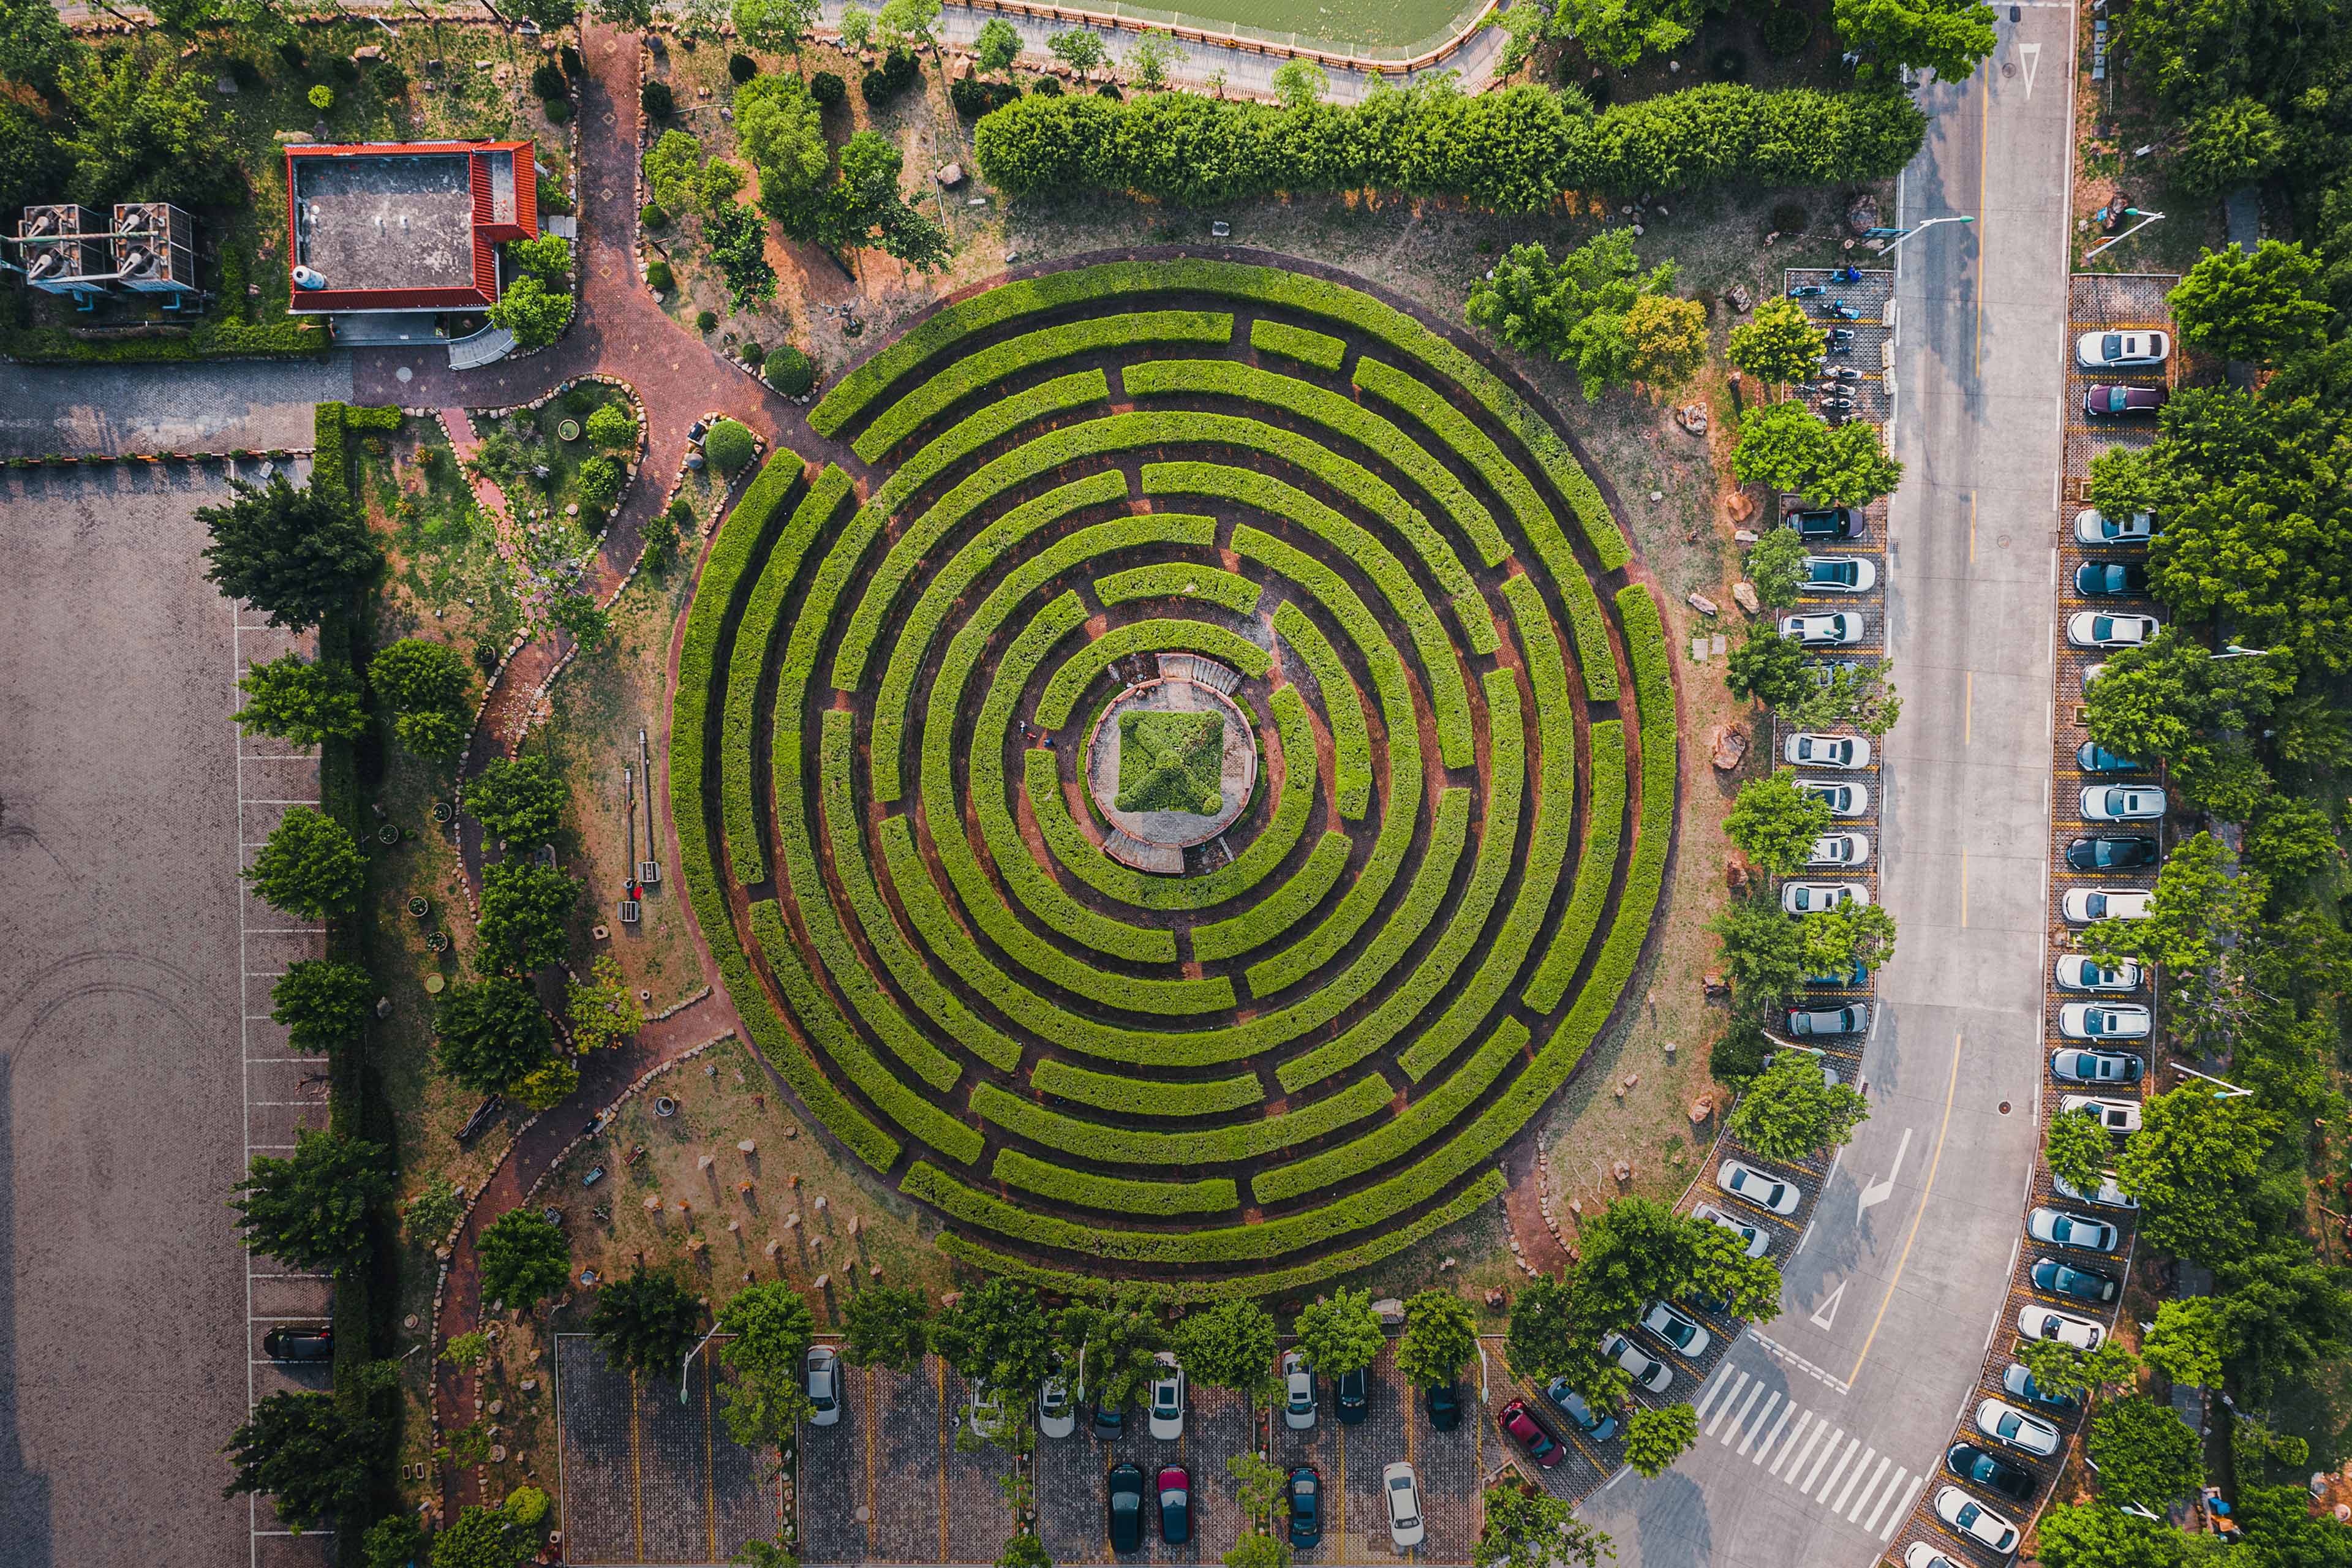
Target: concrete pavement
1822	1431
215	406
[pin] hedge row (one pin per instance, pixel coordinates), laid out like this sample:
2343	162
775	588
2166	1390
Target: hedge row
1070	681
1421	1120
1514	150
990	367
1190	1291
1278	910
1204	1146
208	340
1320	350
1088	1189
1180	580
1604	834
1130	1096
1343	709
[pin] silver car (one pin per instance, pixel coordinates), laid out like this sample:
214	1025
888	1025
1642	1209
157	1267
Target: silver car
2141	350
1838	628
1968	1516
2076	972
2097	629
1818	898
1744	1181
2059	1228
1842	799
1646	1369
2120	1117
823	1369
1297	1392
2005	1423
2085	906
1404	1494
1839	849
2103	1021
1839	574
2093	527
1754	1241
1852	1019
1809	748
2122	803
1057	1414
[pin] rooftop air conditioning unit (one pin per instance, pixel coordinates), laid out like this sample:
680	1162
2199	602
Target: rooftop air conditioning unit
44	264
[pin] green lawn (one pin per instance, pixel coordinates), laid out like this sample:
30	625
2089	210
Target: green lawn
1171	762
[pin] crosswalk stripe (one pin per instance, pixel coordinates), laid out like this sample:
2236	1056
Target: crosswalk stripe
1724	1409
1766	1446
1805	1419
1755	1392
1867	1455
1887	1496
1852	1447
1903	1511
1831	1447
1868	1490
1761	1417
1714	1390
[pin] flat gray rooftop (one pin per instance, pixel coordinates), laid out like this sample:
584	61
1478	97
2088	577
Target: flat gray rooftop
405	221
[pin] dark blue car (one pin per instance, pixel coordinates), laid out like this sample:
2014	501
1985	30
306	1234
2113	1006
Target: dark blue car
1304	1491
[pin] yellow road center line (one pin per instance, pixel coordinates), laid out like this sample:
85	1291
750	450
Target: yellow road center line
1950	1091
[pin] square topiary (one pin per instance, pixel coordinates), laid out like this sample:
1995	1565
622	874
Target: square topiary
1171	762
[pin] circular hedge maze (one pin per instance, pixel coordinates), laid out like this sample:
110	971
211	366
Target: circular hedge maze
1299	1044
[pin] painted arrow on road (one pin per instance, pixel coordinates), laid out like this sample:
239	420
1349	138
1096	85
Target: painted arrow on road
2030	56
1877	1192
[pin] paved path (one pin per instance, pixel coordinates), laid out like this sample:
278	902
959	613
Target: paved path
1805	1444
211	407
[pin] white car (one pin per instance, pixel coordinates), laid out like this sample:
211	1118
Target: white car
1297	1392
2005	1423
2123	803
1646	1369
2103	1021
1830	1078
2109	1194
1971	1517
1754	1241
1811	748
1167	1400
1688	1337
2120	1117
2059	1228
1404	1492
2092	672
2097	629
822	1382
2076	972
2094	527
1851	1019
1842	799
1839	849
1839	574
1814	898
985	1410
1923	1554
1746	1183
1838	628
2040	1322
1057	1414
2141	350
2085	906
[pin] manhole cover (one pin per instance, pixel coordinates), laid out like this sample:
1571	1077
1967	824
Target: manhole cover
2004	1108
2003	542
403	375
2007	67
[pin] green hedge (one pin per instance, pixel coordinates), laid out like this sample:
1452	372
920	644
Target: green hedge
1069	682
1088	1189
1279	910
1180	580
1604	834
747	859
1130	1096
1318	348
1201	1146
1343	709
207	339
1421	1120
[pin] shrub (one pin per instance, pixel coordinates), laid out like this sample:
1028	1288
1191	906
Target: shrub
1786	29
557	109
728	446
614	425
344	69
1728	64
705	322
658	276
753	354
828	90
652	216
291	50
655	99
742	68
790	372
1789	218
1047	87
547	80
527	1507
322	97
569	58
973	97
599	484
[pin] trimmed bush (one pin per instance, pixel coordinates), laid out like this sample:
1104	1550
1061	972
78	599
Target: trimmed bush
726	447
789	371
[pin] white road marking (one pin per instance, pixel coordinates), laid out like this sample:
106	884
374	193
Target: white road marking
1852	1447
1754	1394
1826	1313
1763	1415
1885	1497
1805	1419
2030	56
1903	1511
1852	1481
1740	1380
1714	1389
1765	1446
1830	1447
1863	1500
1877	1192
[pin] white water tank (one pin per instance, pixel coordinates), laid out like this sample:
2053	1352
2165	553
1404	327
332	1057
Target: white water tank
304	277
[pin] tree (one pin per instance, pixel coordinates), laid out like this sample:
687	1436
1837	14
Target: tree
1667	336
491	1032
1022	1549
1853	694
546	256
1261	1489
1775	565
322	1002
1575	310
546	1086
395	1540
1148	61
1525	1528
857	28
2291	838
1542	1327
598	486
1775	823
2196	920
781	128
480	1538
1766	667
1779	344
1789	1113
886	1326
547	15
2260	307
772	1329
1616	33
1656	1438
1080	48
524	908
863	207
2061	1370
601	1010
1118	1339
519	801
996	1331
312	1209
645	1322
35	45
775	25
295	555
1848	935
2092	1535
303	1450
426	684
532	312
612	427
294	700
912	22
2079	1150
2158	700
737	242
1718	1265
1763	950
2192	1165
2145	1454
1300	83
1257	1550
1340	1333
2186	1342
1441	1335
2286	1312
144	129
1950	37
524	1258
1633	1253
676	157
998	45
2229	144
1786	446
309	866
1228	1346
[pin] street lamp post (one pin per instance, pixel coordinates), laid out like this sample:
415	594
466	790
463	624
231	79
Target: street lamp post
689	1362
2229	1090
1901	234
2145	219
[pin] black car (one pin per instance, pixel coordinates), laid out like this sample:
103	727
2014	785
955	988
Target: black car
1351	1396
2094	758
1825	522
1109	1421
1175	1504
2125	854
2075	1284
1124	1505
1597	1424
311	1342
1973	1465
2109	579
1305	1490
2019	1381
1444	1404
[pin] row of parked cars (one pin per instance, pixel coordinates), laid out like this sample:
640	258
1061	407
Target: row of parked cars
1126	1498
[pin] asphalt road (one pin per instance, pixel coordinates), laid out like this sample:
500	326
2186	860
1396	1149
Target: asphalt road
1820	1431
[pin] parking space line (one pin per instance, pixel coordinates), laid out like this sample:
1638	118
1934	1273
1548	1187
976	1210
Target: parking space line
1805	1419
1762	1416
1884	1461
1739	1381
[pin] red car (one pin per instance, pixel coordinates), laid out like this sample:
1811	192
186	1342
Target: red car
2101	401
1539	1444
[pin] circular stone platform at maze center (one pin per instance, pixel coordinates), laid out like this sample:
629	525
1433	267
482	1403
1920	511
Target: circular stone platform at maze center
1237	773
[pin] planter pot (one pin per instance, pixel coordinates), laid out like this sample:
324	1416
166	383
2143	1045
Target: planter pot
420	906
665	1106
441	812
437	942
568	430
387	834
